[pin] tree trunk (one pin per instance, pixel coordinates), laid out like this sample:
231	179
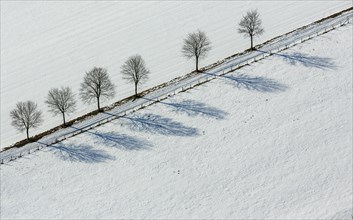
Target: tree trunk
251	42
197	64
27	133
99	107
64	117
135	89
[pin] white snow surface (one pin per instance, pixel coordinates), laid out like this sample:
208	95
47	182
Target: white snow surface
280	43
272	140
49	44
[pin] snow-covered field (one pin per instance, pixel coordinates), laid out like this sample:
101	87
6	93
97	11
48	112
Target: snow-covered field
49	44
272	140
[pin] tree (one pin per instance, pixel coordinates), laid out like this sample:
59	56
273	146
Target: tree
134	70
196	45
26	116
61	101
96	85
250	25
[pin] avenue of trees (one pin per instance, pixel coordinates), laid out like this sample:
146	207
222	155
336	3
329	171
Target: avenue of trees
97	85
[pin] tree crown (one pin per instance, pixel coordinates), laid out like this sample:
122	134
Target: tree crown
134	69
26	116
61	100
251	23
96	84
196	45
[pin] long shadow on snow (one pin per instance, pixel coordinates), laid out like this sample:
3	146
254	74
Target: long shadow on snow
257	83
120	141
79	153
156	124
306	60
194	108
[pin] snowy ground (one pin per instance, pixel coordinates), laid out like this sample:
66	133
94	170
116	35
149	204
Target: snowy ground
274	46
272	140
50	44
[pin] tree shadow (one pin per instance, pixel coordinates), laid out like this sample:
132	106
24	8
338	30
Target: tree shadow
257	83
194	108
120	141
306	60
156	124
79	153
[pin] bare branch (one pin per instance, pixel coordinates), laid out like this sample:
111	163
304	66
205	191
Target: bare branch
251	25
26	116
134	70
96	85
196	45
61	101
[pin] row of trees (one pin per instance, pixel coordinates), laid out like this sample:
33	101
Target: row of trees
97	85
197	44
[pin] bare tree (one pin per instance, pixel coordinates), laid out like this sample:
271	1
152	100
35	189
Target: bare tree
61	101
134	70
26	116
196	45
96	85
250	25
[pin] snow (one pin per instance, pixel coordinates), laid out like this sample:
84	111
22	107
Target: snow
51	44
271	140
280	43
